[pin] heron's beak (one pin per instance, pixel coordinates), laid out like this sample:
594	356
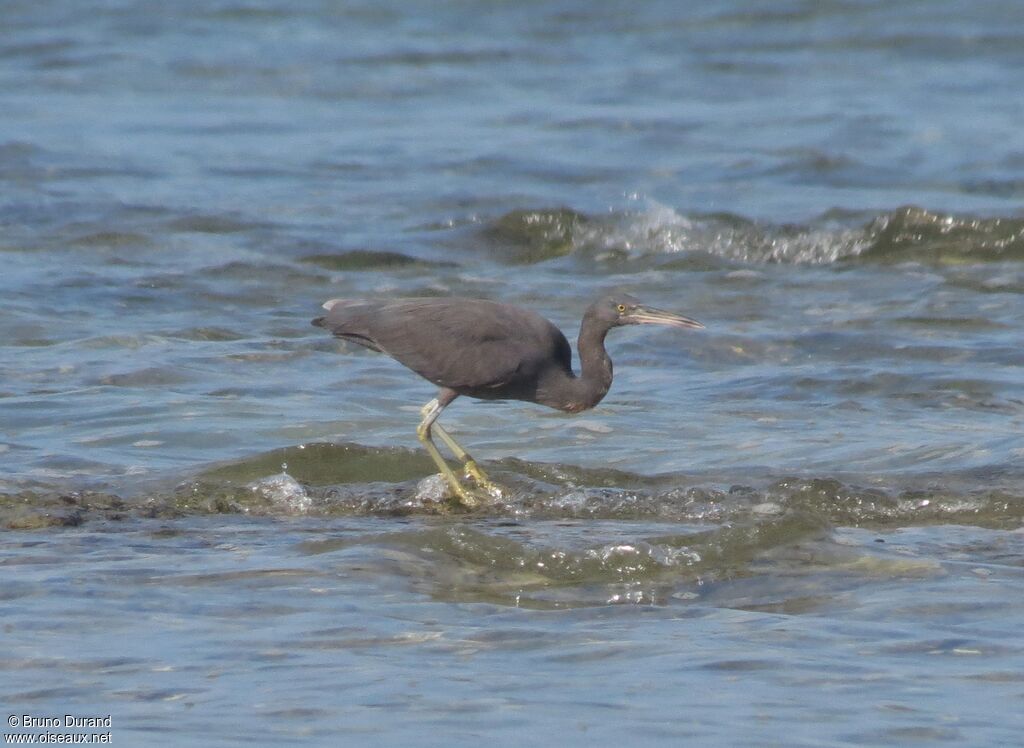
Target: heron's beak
645	315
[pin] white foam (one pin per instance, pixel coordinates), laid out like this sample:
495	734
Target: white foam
284	491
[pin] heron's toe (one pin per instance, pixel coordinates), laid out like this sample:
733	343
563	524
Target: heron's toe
467	497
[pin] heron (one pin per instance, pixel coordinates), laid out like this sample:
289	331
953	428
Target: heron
489	351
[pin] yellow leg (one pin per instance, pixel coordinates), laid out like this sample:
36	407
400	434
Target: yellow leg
430	413
466	459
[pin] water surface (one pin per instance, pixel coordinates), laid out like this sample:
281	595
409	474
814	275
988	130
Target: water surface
801	526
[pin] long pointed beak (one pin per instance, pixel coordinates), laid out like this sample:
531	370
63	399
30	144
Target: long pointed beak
646	315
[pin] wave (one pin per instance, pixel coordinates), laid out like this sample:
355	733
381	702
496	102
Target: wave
906	234
355	480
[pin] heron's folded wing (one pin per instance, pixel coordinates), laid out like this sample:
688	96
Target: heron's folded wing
461	343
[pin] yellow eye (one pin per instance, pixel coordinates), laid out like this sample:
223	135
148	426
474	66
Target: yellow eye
621	308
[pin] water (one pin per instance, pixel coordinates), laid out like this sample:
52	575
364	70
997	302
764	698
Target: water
801	526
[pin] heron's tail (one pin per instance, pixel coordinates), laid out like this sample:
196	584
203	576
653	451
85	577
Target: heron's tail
329	305
343	320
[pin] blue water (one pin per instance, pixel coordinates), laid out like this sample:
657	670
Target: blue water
801	526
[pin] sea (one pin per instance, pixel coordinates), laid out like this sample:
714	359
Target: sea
800	526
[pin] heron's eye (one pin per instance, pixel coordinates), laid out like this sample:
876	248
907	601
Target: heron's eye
621	308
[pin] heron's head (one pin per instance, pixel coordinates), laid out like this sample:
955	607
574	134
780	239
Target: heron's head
622	309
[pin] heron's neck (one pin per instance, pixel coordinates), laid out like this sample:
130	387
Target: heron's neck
595	377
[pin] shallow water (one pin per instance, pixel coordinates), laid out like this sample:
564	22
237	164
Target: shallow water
801	526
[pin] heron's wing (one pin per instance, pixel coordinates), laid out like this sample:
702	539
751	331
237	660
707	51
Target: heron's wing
456	343
464	343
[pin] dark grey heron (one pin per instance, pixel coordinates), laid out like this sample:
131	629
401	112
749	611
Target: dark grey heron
489	351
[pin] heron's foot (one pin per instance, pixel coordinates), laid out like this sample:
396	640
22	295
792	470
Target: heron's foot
447	487
466	496
485	484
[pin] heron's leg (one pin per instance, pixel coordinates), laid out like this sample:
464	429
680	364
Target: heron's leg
465	458
430	413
